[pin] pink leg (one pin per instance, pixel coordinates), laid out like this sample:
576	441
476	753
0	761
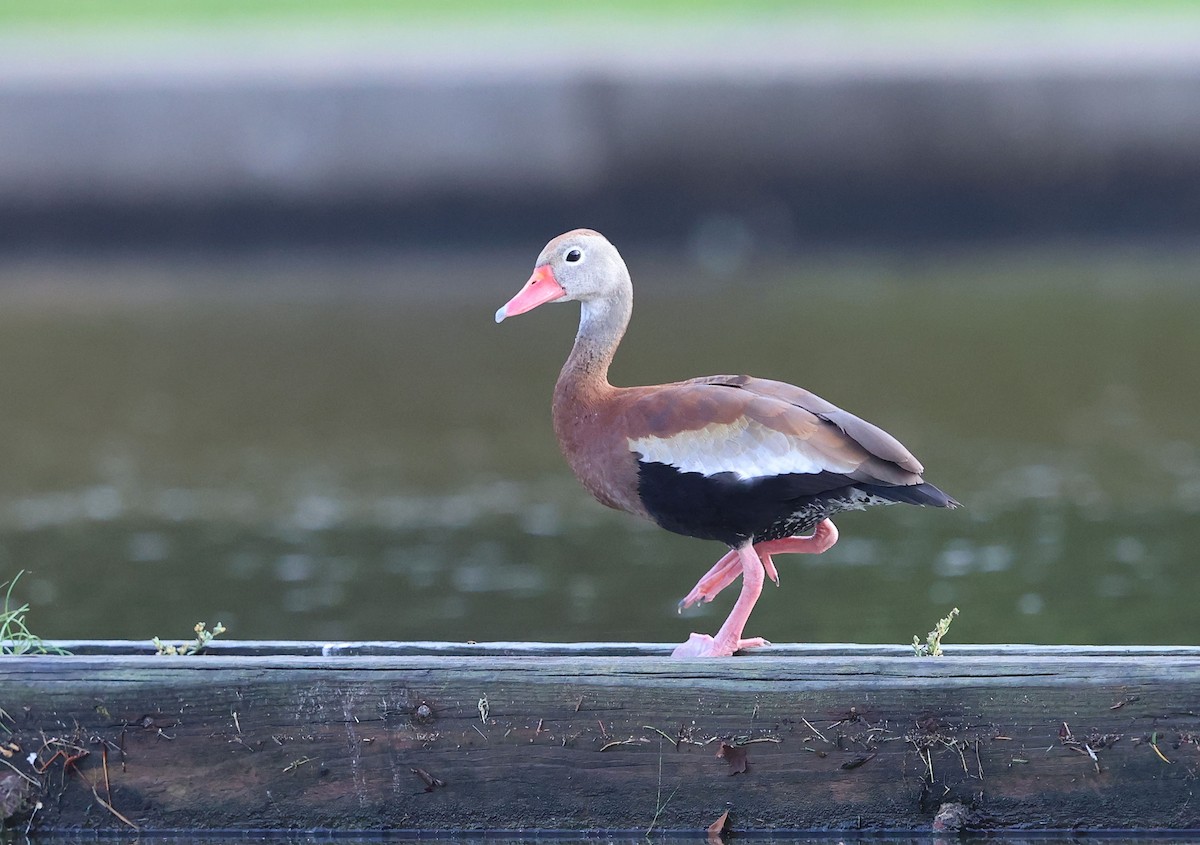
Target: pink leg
724	572
727	569
729	638
821	540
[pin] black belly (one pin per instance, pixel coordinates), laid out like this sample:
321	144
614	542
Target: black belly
733	510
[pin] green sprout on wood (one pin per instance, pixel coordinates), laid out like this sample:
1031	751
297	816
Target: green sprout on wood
932	647
203	638
15	637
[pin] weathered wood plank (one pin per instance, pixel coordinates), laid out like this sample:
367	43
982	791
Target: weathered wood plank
594	649
398	736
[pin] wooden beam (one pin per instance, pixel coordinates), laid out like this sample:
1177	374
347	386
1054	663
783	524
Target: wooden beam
506	736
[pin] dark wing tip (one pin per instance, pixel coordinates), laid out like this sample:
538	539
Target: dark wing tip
924	494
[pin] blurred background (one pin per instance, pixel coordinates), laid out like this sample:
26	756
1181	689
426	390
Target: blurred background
250	254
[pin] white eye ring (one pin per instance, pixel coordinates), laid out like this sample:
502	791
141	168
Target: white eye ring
574	256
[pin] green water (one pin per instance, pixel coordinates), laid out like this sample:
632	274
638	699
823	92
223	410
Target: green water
337	449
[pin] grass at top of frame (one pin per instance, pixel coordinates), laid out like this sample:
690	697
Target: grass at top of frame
90	13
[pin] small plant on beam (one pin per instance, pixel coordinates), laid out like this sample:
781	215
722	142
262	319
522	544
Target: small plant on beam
15	637
932	647
203	638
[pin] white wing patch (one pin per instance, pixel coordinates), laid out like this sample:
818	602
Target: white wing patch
744	447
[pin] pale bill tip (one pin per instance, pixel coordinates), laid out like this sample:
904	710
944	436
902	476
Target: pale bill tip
501	313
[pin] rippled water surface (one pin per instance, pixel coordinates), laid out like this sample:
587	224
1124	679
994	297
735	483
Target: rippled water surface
329	449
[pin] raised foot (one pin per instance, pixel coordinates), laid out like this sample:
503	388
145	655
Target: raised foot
703	645
724	572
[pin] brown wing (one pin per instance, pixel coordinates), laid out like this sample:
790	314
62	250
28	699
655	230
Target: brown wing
756	428
871	437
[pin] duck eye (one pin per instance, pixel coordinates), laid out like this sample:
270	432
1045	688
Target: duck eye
574	255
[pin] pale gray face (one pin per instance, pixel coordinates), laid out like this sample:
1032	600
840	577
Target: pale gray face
579	266
586	265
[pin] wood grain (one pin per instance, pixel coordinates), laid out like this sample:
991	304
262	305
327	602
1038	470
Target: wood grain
441	737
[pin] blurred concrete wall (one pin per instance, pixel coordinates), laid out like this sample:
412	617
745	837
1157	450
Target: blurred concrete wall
420	147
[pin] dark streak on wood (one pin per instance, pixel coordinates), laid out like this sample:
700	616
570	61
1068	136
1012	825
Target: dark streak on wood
391	737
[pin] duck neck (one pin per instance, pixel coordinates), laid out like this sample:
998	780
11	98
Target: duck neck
602	324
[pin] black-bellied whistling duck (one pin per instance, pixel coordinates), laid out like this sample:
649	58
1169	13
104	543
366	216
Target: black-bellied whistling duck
759	465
